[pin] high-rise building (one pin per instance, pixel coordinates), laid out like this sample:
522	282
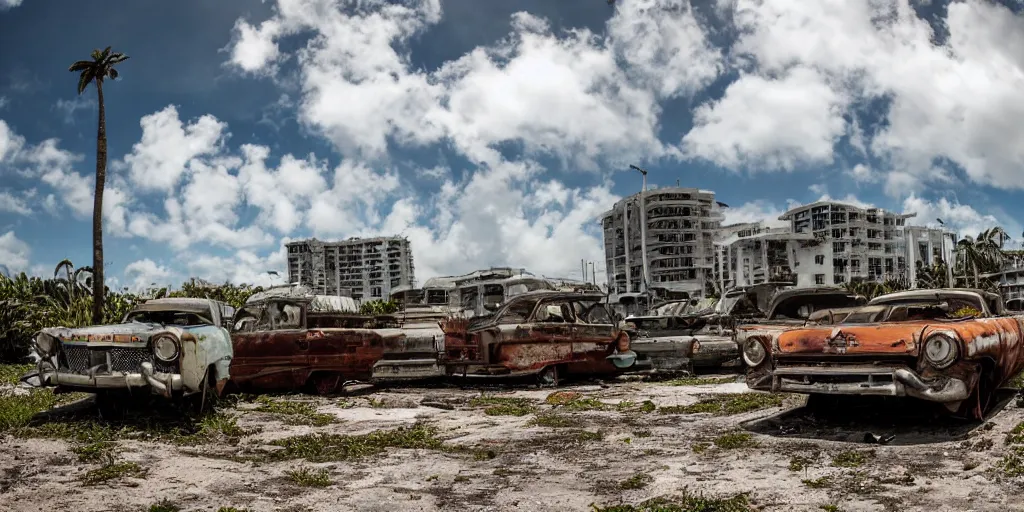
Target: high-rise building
830	243
361	268
680	228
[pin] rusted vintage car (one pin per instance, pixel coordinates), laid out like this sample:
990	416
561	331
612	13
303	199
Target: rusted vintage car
172	346
800	307
288	341
698	338
948	346
549	334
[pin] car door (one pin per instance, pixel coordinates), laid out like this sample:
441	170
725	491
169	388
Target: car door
548	336
594	330
270	346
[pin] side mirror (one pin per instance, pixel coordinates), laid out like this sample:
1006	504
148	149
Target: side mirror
944	306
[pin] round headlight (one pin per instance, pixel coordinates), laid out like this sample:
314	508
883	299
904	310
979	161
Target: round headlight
46	345
165	348
940	350
753	352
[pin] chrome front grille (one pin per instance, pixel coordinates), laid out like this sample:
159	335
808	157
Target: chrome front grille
78	359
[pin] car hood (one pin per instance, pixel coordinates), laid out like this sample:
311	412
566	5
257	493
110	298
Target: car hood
888	338
116	332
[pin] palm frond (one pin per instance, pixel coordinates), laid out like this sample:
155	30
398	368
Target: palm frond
84	79
81	65
117	58
112	73
96	55
106	53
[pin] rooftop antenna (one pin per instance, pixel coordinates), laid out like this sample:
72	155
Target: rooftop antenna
677	182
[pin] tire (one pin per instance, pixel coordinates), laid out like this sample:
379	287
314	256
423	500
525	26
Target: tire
324	383
548	377
110	405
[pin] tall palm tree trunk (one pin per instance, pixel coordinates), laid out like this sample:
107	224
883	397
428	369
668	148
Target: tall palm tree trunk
97	213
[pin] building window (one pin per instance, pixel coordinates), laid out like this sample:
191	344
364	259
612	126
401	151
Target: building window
819	278
819	259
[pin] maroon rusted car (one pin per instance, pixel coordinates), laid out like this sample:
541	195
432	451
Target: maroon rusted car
549	334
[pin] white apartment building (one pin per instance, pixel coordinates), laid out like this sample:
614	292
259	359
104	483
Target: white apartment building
680	227
361	268
1011	282
827	244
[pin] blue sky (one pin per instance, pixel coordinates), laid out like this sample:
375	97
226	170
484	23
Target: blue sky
489	133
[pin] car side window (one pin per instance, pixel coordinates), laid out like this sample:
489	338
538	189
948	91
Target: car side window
554	312
248	319
283	315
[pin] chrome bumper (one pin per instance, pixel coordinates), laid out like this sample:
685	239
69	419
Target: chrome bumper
159	383
867	380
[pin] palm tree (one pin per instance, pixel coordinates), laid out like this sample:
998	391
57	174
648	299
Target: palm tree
97	70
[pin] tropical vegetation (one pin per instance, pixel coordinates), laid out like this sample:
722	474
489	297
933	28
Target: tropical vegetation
28	304
973	259
95	71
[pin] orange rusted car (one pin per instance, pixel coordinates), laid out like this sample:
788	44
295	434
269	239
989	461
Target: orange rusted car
954	347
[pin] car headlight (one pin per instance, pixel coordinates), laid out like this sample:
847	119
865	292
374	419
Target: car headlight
754	352
45	344
940	350
165	348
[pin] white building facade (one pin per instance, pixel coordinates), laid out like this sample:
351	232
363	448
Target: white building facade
681	224
829	244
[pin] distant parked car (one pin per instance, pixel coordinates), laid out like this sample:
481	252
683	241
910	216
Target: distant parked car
174	347
291	341
954	347
799	307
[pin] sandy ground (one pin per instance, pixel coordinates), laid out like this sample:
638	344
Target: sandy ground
929	465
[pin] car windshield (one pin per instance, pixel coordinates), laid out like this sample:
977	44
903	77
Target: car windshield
169	318
801	306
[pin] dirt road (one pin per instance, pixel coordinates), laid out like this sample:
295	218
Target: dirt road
445	448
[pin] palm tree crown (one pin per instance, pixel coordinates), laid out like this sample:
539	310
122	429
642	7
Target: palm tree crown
98	69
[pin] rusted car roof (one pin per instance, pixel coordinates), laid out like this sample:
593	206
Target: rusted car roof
785	298
933	294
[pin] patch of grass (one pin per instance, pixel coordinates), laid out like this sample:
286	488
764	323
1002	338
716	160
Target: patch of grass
699	381
164	505
232	509
11	373
800	463
637	481
575	401
1012	464
322	447
1016	435
376	404
93	452
296	413
562	397
625	405
727	404
504	405
553	420
148	425
700	447
830	508
586	435
484	454
1017	381
818	483
647	406
113	470
735	440
686	502
310	477
16	411
851	458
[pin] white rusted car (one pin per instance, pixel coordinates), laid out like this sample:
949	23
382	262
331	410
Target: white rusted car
174	347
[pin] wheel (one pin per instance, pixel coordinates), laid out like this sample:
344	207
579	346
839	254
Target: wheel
110	405
548	377
206	398
325	383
